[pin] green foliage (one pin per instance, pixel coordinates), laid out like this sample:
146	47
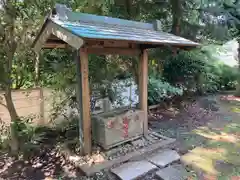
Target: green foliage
57	68
139	10
184	67
160	90
219	76
224	15
18	25
4	134
228	77
199	71
23	129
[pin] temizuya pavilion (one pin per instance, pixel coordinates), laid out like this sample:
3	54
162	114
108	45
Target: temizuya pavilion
104	35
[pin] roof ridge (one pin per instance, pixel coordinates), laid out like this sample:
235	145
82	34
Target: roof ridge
62	12
80	22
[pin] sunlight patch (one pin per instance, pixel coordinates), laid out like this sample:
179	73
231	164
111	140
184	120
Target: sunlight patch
235	109
222	136
199	162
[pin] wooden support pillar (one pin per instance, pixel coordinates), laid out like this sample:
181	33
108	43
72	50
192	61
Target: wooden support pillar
87	139
143	88
41	97
79	98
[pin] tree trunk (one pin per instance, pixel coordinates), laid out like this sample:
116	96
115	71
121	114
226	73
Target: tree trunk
10	46
128	6
176	19
199	83
36	67
14	144
176	16
14	117
238	86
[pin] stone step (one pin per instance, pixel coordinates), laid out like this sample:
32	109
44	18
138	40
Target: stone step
133	170
174	172
163	158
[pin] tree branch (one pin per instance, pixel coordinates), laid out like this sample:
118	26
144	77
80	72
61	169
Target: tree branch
4	105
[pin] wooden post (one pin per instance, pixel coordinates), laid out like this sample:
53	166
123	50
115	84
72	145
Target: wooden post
143	88
85	102
41	97
79	97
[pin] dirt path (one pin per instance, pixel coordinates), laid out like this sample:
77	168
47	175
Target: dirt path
210	127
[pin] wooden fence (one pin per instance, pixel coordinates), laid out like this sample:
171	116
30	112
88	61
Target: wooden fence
35	103
38	103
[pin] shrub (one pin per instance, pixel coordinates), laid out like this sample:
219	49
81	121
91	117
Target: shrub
4	134
27	135
160	90
199	72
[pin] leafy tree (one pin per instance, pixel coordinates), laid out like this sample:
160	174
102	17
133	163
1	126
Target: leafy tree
18	22
226	16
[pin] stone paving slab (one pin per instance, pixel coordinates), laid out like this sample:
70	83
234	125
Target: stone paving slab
163	157
140	154
174	172
133	170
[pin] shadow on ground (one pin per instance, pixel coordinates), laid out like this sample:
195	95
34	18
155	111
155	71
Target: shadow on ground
40	159
208	130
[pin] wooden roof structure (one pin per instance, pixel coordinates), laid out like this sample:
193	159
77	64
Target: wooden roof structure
64	27
103	35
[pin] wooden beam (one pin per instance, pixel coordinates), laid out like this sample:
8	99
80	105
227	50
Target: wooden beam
50	28
109	43
153	44
87	139
53	45
79	98
120	51
143	88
